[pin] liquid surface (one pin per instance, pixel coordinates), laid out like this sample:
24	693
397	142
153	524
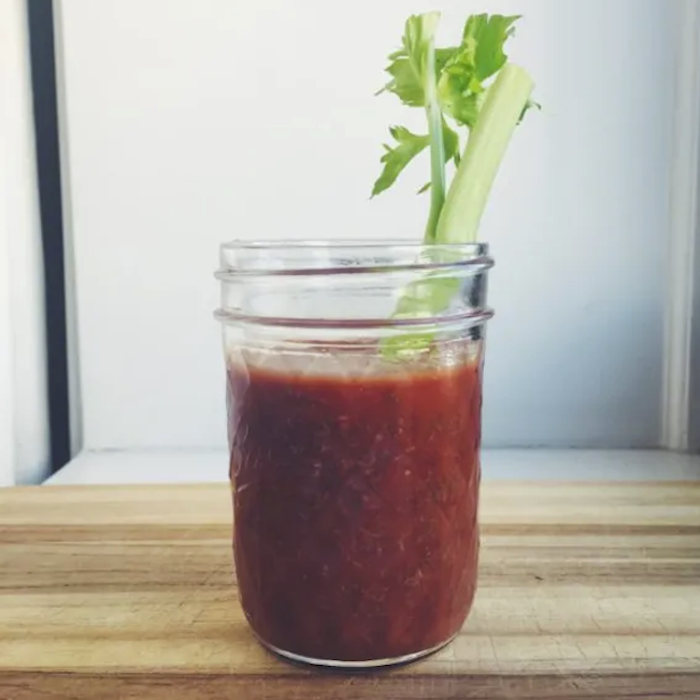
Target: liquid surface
355	501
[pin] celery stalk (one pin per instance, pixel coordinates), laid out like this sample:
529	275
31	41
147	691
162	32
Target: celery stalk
470	188
471	85
437	146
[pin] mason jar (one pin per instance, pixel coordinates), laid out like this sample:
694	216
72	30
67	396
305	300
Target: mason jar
354	391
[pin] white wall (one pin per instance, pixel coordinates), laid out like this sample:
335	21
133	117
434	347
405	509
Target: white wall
24	429
7	421
190	123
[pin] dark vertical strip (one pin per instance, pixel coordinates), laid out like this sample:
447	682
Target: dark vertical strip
43	69
694	358
694	410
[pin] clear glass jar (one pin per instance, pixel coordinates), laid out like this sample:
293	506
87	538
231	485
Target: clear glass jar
354	420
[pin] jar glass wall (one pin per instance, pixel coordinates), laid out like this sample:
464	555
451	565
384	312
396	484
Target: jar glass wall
354	375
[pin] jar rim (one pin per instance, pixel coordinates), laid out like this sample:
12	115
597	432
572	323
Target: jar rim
467	318
409	256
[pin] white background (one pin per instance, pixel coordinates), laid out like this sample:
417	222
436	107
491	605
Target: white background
190	123
24	429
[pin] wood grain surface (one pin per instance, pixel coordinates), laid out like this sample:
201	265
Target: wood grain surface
586	591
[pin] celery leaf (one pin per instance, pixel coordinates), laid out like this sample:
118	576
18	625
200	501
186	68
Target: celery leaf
486	35
461	86
408	146
531	104
408	64
451	141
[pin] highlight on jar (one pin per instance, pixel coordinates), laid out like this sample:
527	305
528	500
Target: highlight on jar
354	386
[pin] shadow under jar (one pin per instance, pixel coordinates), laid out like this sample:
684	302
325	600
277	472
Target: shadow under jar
354	422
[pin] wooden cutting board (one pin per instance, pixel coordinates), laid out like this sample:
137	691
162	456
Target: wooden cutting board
586	591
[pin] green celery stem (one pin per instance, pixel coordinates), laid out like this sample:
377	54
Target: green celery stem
468	194
437	147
